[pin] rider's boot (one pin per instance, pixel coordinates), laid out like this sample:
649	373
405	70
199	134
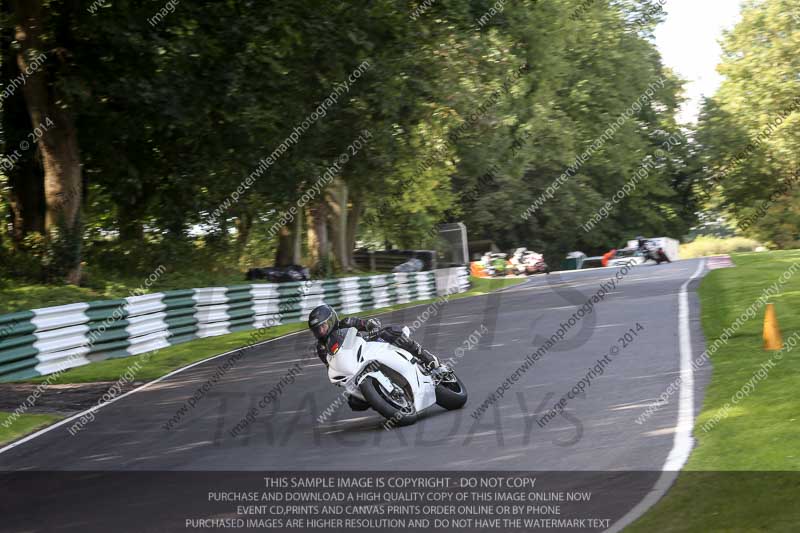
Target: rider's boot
430	364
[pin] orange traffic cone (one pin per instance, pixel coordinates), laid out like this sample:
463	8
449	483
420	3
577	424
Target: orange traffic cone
772	332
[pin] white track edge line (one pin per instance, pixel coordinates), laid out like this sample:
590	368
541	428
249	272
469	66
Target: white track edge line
60	423
137	389
683	442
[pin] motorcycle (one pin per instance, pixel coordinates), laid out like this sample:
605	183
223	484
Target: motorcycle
656	254
388	379
498	265
526	262
534	263
495	264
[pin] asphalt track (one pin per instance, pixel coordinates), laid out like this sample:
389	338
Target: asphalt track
597	431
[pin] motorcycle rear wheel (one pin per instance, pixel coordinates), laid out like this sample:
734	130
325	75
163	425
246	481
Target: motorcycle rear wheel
401	411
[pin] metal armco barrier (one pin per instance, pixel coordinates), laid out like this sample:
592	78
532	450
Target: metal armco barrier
44	341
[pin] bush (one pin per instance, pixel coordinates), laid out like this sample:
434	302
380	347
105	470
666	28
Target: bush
705	246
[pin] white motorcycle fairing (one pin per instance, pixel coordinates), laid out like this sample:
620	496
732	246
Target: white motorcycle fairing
357	359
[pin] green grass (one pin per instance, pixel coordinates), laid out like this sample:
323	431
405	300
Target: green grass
155	365
23	425
705	246
486	285
16	296
761	435
25	297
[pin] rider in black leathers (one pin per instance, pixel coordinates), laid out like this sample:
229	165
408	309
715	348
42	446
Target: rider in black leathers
324	323
658	255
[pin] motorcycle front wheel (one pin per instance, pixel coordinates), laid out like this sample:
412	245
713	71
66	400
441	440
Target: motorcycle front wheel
451	393
395	405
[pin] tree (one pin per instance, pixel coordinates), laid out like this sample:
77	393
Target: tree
53	129
750	130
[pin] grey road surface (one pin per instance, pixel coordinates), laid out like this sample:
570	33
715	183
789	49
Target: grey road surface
596	432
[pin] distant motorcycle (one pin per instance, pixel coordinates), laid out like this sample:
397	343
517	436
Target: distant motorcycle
279	274
495	264
385	378
534	263
526	262
656	254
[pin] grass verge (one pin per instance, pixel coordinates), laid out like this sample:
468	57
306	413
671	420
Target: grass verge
744	473
16	296
174	357
23	425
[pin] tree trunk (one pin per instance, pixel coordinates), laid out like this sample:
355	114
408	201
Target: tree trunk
313	242
297	235
58	145
26	201
318	238
341	243
338	224
352	227
25	181
130	222
244	224
283	256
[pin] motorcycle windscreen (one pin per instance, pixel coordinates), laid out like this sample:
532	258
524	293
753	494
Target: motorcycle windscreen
345	354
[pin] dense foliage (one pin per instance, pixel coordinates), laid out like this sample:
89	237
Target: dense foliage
212	134
750	131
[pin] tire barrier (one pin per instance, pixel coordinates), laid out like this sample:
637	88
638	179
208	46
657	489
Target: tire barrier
53	339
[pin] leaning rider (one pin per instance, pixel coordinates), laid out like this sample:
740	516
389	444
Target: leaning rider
324	323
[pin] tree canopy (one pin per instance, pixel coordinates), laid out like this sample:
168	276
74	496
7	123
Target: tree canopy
145	132
749	132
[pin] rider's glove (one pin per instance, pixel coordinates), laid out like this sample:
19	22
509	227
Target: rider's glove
373	324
